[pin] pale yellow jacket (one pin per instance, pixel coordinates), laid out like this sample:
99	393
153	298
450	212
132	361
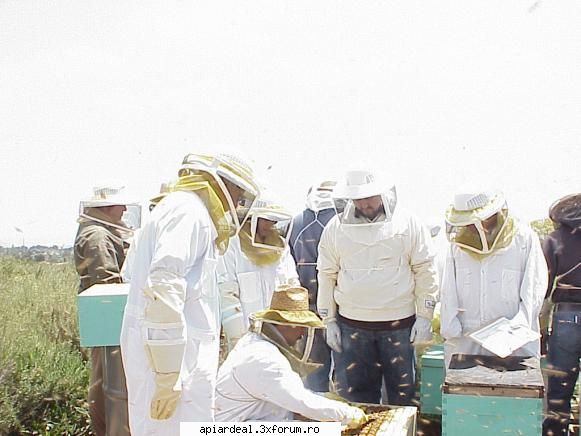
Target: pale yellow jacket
376	272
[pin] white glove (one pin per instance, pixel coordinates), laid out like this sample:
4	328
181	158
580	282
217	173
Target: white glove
333	336
165	341
421	330
165	398
357	418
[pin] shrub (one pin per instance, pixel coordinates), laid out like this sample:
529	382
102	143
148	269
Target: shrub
542	227
43	372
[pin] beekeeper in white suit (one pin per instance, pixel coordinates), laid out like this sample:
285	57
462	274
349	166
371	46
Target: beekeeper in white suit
261	378
377	290
494	268
257	261
171	327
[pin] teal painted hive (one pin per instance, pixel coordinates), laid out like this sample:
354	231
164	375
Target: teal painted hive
100	311
487	395
431	380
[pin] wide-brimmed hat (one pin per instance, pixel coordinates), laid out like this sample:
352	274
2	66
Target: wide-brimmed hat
567	210
359	184
474	206
109	195
289	305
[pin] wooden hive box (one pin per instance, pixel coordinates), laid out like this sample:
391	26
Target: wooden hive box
487	395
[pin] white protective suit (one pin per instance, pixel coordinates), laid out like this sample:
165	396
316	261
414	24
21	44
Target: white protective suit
175	248
246	288
377	274
257	383
510	282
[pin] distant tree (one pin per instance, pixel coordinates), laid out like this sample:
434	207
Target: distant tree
542	227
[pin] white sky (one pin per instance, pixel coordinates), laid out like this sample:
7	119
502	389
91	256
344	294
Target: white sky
436	94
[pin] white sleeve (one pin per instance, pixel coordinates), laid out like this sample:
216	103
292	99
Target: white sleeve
182	240
288	269
450	326
424	269
127	267
533	285
328	270
232	316
275	382
226	271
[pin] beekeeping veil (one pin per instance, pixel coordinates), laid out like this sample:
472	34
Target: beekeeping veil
264	236
112	194
362	185
479	223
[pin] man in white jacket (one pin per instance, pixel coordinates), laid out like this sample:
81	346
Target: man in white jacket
171	325
377	291
258	259
261	378
494	268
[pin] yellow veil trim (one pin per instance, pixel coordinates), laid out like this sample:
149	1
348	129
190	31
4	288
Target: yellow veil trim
503	239
258	255
206	187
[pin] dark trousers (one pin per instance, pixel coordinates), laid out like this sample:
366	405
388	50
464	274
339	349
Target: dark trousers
318	380
108	393
371	356
563	353
96	394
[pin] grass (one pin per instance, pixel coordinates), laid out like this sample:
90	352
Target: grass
43	370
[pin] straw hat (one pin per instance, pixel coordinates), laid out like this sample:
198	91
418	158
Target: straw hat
289	305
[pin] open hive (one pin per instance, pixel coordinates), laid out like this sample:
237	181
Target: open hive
386	420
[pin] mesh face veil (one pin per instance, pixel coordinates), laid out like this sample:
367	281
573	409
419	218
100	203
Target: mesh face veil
270	223
300	349
364	200
227	168
270	228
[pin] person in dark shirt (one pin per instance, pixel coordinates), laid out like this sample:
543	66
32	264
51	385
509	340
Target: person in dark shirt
562	250
304	241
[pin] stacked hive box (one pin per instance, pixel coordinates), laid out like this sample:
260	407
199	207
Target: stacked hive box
431	380
484	395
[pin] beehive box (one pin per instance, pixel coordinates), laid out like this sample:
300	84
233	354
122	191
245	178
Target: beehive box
100	311
431	380
486	395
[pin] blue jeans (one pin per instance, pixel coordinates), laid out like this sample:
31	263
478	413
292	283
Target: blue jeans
563	353
370	356
318	380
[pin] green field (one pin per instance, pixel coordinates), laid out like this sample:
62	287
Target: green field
43	371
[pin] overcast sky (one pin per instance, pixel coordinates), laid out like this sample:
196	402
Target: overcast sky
436	95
